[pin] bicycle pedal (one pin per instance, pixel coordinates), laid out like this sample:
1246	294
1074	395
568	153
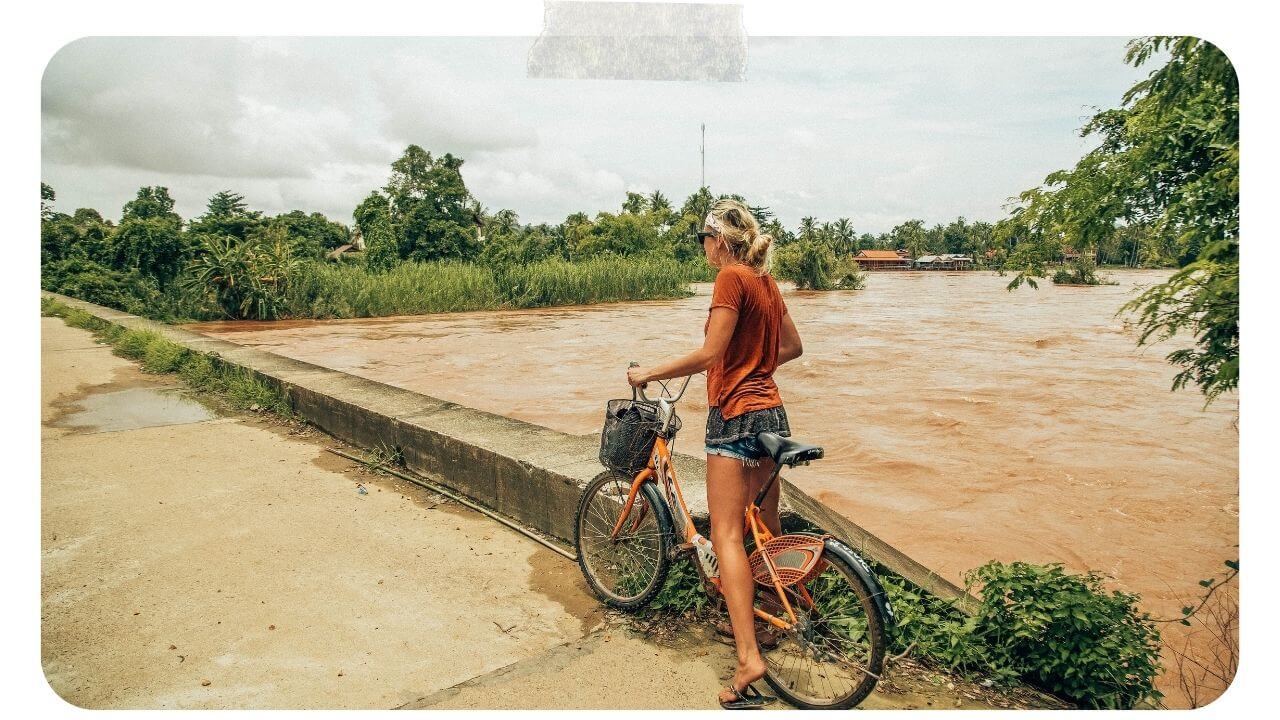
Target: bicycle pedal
683	549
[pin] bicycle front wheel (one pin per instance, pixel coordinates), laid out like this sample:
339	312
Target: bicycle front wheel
833	657
626	572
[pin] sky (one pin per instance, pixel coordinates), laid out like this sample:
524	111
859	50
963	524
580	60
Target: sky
878	130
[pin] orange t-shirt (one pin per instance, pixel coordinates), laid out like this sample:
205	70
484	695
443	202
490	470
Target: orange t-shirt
742	380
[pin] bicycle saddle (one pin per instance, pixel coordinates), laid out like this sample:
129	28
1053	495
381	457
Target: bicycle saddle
786	451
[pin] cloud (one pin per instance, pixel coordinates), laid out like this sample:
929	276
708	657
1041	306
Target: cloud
555	182
875	129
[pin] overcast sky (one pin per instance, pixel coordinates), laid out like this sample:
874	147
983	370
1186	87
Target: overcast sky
877	130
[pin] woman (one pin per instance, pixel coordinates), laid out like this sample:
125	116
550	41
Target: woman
747	336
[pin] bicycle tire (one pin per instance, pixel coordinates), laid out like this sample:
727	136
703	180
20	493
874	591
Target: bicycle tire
593	516
869	669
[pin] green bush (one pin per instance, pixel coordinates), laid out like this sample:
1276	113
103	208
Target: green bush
200	372
87	280
1081	271
1065	633
328	290
238	386
849	275
596	280
813	265
244	390
412	288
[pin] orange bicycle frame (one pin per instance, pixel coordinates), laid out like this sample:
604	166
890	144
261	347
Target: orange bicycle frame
660	466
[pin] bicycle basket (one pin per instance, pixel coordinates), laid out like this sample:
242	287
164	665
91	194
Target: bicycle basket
630	429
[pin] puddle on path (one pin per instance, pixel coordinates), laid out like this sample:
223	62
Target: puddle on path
136	408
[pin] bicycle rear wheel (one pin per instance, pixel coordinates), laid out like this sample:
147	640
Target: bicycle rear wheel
627	572
834	656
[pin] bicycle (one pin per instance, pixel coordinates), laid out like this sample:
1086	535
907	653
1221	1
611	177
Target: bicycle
834	613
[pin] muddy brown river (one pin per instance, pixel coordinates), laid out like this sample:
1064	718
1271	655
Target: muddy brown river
962	423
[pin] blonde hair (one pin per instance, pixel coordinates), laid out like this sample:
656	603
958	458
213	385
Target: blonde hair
741	233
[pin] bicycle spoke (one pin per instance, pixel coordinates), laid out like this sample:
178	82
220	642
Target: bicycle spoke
627	565
828	658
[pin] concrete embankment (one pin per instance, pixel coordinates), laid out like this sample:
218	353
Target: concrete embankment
526	472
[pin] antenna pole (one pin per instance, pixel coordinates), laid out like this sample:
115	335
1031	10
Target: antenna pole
704	156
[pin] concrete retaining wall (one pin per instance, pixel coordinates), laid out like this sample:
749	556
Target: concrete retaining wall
527	472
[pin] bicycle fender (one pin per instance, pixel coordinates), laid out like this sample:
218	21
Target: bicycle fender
868	576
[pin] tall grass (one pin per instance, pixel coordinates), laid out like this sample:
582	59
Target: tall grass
597	280
347	291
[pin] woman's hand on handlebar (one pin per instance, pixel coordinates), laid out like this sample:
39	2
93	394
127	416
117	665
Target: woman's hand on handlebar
637	376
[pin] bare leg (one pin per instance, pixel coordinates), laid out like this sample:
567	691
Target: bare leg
727	486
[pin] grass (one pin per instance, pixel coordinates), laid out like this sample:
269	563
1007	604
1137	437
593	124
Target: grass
238	387
413	288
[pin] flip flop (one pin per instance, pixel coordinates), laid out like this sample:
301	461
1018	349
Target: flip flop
748	699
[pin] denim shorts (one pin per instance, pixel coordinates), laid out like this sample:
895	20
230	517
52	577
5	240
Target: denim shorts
736	437
746	449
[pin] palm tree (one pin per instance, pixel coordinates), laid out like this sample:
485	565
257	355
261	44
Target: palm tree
808	228
659	202
505	222
843	235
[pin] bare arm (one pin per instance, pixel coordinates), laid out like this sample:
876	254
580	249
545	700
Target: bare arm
719	332
789	346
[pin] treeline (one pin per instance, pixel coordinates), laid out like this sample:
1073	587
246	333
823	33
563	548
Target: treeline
235	262
149	262
428	246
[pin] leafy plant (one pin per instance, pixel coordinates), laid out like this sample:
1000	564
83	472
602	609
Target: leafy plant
88	280
1080	271
1067	634
1203	297
807	263
248	279
682	593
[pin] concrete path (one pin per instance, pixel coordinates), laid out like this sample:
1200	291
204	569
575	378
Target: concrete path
197	559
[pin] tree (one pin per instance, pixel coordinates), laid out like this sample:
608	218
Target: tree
47	196
227	215
635	204
623	234
505	222
808	229
311	236
660	208
1169	160
373	219
845	239
430	212
150	238
576	231
910	236
150	203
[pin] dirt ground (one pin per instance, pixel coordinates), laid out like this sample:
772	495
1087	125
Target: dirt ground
193	558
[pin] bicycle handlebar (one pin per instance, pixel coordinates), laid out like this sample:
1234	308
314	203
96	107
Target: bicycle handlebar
640	391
